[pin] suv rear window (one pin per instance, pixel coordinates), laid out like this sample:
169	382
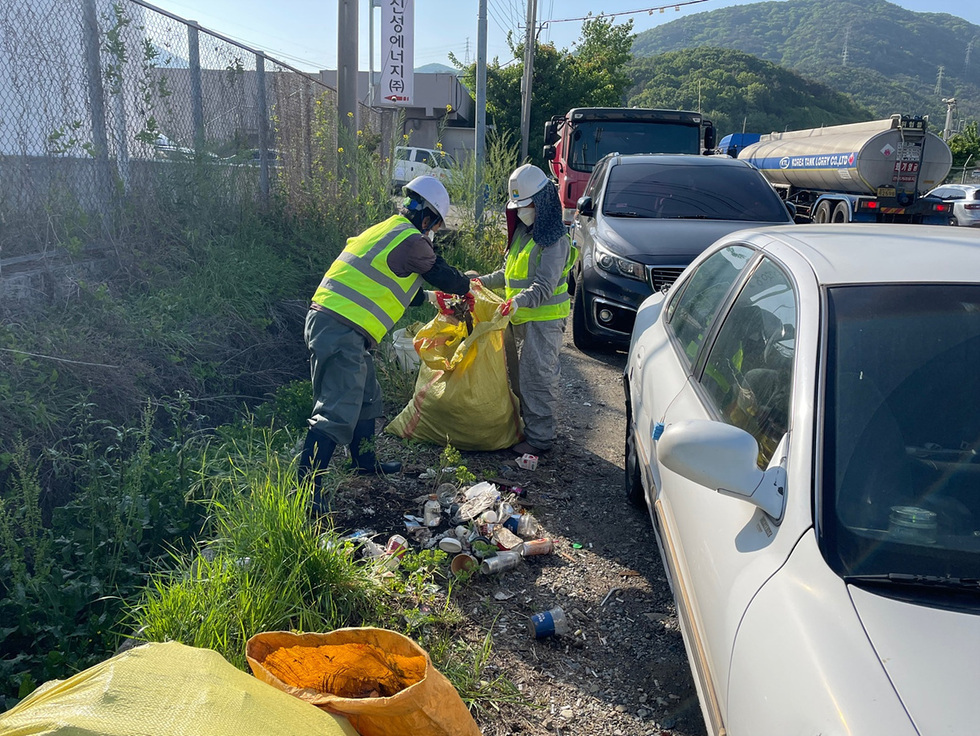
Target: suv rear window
693	192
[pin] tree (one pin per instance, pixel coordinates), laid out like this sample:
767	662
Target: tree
591	74
965	145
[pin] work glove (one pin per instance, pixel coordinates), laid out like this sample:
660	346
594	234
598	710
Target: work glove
507	309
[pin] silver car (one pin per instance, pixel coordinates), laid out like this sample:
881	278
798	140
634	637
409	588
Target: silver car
965	199
802	425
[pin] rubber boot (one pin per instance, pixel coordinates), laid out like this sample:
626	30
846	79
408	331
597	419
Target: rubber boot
364	460
317	452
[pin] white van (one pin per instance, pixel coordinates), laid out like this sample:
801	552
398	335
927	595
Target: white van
411	162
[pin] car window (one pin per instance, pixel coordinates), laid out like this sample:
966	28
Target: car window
694	191
955	194
693	308
424	157
901	432
403	154
749	367
592	186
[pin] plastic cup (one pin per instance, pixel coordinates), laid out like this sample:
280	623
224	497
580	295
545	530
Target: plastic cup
548	623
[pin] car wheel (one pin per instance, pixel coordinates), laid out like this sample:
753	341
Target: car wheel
953	221
842	212
633	485
822	213
581	336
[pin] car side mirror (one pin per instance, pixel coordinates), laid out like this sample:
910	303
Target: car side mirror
792	209
585	206
549	153
709	138
724	458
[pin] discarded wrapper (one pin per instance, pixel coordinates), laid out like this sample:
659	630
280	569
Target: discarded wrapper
528	461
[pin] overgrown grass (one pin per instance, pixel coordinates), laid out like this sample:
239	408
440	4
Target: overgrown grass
131	480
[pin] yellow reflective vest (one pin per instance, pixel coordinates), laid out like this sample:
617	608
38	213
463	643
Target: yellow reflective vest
522	263
359	285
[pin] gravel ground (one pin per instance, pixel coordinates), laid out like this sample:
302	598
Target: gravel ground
622	669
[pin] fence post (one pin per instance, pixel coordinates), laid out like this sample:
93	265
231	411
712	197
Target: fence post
263	113
96	95
197	98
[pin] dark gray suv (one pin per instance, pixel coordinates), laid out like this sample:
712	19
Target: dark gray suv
642	219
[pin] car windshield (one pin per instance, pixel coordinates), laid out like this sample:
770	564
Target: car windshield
698	192
593	140
901	437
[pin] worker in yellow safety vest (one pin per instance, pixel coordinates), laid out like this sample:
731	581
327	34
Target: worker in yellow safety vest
535	282
363	294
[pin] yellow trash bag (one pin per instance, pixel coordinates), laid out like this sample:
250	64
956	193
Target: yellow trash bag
168	689
462	393
383	682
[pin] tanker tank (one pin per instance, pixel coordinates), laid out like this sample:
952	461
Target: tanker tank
858	158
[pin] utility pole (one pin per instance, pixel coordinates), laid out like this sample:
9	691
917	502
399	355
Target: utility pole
950	103
480	148
372	81
347	88
532	16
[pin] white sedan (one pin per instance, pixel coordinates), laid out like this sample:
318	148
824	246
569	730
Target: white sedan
803	424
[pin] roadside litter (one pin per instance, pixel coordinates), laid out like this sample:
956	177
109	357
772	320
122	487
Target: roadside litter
462	375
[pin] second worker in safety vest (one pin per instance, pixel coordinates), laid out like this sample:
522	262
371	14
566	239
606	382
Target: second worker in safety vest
535	282
364	293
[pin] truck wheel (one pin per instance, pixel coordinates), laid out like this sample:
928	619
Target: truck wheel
822	214
842	212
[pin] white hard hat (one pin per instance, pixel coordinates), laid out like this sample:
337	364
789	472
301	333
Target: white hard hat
525	182
432	192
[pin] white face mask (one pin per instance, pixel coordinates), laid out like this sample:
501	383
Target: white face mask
526	215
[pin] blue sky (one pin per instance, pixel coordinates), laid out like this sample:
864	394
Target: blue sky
304	32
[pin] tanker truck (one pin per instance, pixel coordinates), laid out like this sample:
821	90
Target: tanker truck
863	172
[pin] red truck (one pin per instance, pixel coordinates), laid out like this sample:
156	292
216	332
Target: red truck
575	141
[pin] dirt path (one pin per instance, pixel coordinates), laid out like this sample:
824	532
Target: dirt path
622	670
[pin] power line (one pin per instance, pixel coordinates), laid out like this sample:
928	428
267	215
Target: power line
661	8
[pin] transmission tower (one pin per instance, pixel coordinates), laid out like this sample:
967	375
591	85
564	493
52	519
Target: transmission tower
969	48
843	56
466	55
939	81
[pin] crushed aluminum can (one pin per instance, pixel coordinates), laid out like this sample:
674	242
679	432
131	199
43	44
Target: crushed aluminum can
528	461
537	547
500	562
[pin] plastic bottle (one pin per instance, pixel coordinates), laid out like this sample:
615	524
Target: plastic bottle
523	525
432	511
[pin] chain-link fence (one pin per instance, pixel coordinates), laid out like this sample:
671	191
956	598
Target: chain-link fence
964	175
110	107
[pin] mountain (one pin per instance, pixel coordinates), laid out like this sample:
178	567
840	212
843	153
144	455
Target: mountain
886	58
736	90
436	69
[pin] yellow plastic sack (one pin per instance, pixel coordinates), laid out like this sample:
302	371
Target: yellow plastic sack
383	682
168	689
462	393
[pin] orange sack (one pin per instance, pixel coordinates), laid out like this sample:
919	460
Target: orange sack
383	682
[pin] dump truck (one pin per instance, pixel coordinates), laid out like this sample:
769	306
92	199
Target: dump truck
575	141
876	171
